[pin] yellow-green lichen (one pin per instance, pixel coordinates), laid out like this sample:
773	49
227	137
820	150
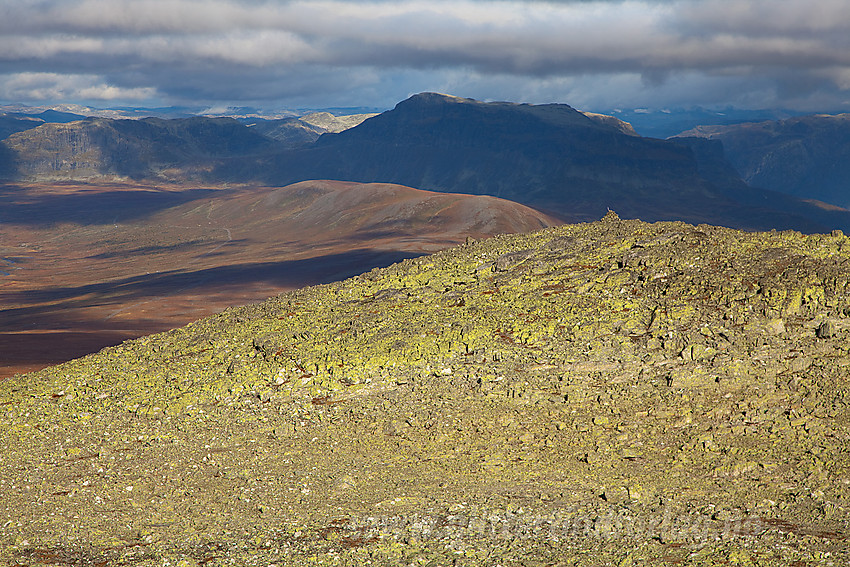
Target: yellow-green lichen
527	398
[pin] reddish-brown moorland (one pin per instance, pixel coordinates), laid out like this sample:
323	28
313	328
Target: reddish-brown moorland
84	266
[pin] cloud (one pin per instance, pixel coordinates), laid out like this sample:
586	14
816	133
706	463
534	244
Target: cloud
59	87
230	51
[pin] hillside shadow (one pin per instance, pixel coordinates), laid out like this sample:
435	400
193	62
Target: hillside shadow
19	207
8	163
58	303
27	352
148	250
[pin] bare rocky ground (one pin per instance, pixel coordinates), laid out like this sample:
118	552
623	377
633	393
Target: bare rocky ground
612	393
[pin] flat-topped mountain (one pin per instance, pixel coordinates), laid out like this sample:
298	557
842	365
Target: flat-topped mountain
551	155
548	156
613	393
807	157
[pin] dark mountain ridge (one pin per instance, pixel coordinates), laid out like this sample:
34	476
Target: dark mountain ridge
502	149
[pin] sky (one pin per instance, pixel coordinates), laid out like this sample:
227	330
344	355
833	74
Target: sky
275	55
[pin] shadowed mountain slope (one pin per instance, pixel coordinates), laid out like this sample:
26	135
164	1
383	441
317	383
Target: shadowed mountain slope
87	263
763	207
14	122
807	157
11	124
613	393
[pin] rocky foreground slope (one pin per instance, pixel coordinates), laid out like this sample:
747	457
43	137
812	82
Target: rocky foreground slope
613	393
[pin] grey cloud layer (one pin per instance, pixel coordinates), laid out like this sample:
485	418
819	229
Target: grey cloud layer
252	50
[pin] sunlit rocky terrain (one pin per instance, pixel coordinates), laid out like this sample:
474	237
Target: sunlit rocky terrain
611	393
285	371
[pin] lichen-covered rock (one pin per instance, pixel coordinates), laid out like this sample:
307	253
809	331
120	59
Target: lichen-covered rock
606	393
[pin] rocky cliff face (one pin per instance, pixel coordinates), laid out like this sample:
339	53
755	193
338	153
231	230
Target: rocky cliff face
145	148
808	156
607	393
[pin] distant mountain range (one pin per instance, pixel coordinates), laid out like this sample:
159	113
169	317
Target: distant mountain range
94	147
552	157
61	146
665	123
649	122
245	113
806	156
303	130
